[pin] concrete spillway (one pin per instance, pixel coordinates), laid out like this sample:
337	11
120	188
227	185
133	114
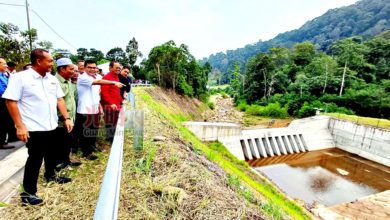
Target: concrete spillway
269	146
302	135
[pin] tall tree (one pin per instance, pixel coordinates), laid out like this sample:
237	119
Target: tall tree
349	51
175	67
132	52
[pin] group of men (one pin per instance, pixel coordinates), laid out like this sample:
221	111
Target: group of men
41	110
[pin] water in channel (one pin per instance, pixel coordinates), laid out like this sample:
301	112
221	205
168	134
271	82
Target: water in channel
328	177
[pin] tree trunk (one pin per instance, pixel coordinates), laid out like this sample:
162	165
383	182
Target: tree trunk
158	73
265	83
343	79
270	87
326	78
301	92
174	82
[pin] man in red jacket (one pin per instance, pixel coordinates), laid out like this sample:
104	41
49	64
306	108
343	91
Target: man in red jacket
111	100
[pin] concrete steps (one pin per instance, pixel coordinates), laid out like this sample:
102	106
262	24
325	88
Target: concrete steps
12	168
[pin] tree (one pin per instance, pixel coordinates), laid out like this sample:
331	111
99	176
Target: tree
95	54
117	54
257	73
175	67
82	53
14	44
47	45
303	53
236	80
132	52
321	74
349	51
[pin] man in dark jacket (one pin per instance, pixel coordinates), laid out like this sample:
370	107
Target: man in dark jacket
125	79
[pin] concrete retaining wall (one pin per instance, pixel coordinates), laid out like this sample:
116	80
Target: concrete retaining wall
308	134
366	141
212	131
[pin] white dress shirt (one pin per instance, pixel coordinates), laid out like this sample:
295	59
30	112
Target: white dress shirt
88	94
37	99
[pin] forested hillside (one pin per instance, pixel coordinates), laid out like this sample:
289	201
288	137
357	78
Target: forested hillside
354	79
365	18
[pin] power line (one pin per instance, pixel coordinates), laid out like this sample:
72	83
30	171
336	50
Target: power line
2	3
52	29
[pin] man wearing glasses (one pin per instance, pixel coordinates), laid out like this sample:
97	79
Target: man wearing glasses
88	108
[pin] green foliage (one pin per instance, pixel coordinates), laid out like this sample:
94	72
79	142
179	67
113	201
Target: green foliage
132	52
224	95
85	54
366	18
242	106
348	79
211	105
348	73
226	90
144	164
117	54
175	67
306	110
15	44
273	110
184	88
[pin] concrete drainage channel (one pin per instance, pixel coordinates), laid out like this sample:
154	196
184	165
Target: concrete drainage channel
326	157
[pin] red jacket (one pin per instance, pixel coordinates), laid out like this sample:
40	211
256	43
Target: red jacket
110	94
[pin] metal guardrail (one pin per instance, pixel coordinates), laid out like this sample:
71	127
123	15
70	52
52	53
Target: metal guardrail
108	202
141	84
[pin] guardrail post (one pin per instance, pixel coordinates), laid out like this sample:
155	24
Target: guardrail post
138	124
132	100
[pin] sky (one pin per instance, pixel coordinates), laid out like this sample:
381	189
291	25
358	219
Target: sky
206	27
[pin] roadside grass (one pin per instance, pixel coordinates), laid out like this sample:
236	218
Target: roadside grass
276	205
167	180
74	200
376	122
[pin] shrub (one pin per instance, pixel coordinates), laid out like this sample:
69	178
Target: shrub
306	111
242	106
254	110
274	110
204	97
211	105
224	95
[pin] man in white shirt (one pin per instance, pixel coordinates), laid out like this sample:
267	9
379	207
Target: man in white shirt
32	100
88	108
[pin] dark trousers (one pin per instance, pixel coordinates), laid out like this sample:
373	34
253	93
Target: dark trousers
110	121
7	125
87	127
64	144
41	145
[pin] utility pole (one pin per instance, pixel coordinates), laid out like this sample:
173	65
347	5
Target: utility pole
28	25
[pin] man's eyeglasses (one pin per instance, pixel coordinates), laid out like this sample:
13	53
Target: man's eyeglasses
91	67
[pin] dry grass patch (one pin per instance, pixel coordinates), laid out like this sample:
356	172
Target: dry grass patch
74	200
